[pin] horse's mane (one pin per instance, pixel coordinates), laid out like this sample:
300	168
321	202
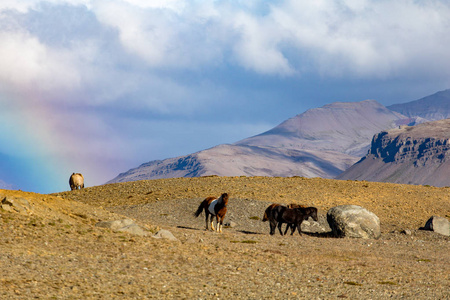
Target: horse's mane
223	199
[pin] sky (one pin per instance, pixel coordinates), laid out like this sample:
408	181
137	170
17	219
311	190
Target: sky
102	86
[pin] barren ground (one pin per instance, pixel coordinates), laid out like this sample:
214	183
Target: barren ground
54	251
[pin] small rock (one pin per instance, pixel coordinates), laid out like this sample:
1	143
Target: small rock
230	224
125	225
165	234
406	231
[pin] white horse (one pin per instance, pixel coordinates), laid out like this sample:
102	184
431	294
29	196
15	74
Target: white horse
76	181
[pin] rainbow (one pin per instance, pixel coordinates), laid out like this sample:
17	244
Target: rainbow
32	152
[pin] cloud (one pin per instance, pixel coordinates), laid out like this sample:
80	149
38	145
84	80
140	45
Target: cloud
368	38
25	62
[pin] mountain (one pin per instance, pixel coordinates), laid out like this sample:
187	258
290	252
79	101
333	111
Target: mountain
6	186
321	142
346	127
412	154
431	108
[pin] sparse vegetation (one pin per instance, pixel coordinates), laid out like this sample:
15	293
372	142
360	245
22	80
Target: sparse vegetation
245	242
352	283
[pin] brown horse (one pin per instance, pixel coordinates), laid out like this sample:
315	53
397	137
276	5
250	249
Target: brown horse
295	205
215	207
278	214
294	218
272	214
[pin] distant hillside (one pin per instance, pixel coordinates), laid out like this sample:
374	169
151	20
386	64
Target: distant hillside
345	127
414	155
432	108
6	186
321	142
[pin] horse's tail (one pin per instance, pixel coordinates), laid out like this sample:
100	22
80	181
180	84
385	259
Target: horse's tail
265	218
266	214
199	209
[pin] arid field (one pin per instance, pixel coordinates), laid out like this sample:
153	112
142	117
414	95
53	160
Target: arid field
53	250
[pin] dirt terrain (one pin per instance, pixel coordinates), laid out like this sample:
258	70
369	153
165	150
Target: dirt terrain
53	250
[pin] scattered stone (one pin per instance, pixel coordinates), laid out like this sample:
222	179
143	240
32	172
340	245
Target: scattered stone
312	226
165	234
230	224
439	225
353	221
125	225
406	232
13	204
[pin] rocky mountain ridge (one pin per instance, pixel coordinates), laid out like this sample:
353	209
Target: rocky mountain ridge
321	142
412	154
431	108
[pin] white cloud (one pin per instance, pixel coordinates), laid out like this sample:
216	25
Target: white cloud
368	39
25	63
257	45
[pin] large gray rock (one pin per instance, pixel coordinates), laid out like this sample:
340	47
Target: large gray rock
353	221
439	225
125	225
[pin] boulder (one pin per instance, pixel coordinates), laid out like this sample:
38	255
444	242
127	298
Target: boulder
125	225
16	204
439	225
353	221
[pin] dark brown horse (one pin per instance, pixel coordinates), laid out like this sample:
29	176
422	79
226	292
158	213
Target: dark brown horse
215	207
278	214
272	214
295	217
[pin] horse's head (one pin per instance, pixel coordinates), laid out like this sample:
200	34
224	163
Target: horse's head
225	198
312	212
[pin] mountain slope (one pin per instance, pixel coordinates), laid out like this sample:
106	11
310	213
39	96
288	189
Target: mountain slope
321	142
412	155
432	108
341	126
233	160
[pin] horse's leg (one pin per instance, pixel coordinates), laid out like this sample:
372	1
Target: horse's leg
206	218
212	223
294	226
219	223
279	227
273	226
299	227
287	228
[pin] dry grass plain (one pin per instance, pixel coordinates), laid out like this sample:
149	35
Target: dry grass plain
54	251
